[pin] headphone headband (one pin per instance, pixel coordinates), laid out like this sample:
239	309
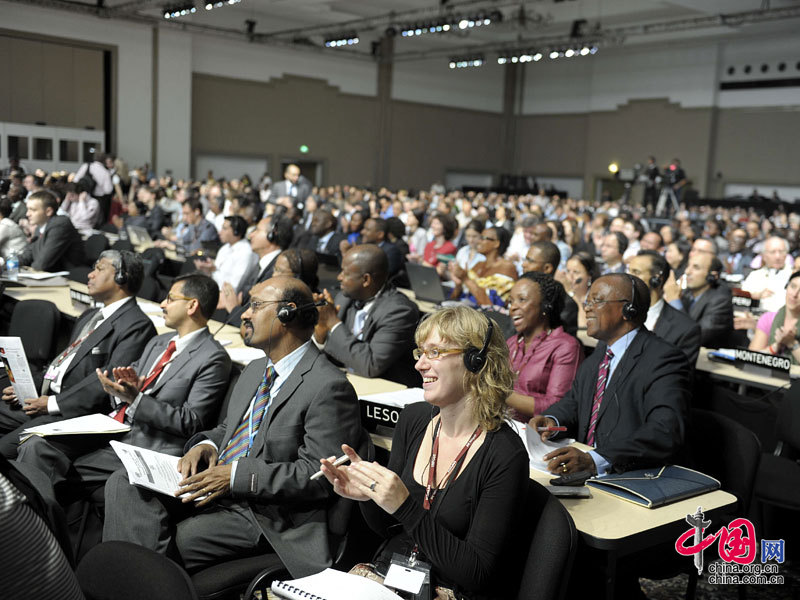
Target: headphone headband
475	359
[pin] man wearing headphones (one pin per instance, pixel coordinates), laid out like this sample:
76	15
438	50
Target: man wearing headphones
369	328
103	338
251	475
234	259
707	300
629	398
666	322
170	393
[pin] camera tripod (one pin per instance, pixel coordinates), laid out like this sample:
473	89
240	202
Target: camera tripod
667	193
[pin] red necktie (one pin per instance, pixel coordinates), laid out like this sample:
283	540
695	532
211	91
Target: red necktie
120	416
602	376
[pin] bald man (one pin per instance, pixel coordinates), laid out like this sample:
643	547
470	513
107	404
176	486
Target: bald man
369	327
768	283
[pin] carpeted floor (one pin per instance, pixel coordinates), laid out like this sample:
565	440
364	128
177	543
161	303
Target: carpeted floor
675	588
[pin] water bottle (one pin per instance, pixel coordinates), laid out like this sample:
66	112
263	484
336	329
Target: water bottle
12	266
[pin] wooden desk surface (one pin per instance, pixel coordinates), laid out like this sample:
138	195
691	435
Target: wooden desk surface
424	306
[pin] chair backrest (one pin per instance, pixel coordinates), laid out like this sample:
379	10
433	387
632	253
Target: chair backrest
36	322
79	274
788	422
547	568
151	290
727	451
94	245
125	571
122	245
153	258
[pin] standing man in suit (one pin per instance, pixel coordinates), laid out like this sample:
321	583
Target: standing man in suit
666	322
544	257
370	326
322	235
173	391
294	186
629	398
707	300
103	338
253	472
56	244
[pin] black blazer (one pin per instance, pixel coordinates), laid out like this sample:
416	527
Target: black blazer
117	342
569	315
713	311
644	406
59	248
309	241
679	330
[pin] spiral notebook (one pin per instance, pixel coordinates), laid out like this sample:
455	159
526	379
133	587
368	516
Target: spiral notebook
332	585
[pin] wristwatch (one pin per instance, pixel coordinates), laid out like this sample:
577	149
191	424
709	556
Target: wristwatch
795	346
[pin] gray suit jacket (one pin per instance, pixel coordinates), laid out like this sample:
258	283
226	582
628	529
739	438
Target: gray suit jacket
385	347
679	330
186	399
314	412
60	247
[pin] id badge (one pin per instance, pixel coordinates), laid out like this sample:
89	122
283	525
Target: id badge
409	575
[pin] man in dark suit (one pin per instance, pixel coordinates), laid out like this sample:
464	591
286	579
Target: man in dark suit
544	257
322	236
707	300
56	245
294	186
173	391
666	322
102	338
370	326
253	471
376	231
630	396
738	258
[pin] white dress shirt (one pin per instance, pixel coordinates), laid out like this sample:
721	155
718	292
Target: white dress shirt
233	262
769	279
653	313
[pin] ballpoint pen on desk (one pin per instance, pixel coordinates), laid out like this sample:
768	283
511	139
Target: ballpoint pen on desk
339	461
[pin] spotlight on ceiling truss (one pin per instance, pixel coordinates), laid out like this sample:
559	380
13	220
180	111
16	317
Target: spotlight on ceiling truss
535	55
211	5
344	39
450	23
179	10
464	62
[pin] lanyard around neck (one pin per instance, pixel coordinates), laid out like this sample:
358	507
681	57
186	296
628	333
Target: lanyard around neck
452	472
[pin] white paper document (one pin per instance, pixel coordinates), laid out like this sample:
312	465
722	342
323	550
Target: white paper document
332	585
39	275
146	468
87	424
245	356
399	399
536	447
12	354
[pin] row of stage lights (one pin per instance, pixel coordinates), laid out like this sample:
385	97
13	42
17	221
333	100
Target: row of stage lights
478	60
345	39
188	8
451	23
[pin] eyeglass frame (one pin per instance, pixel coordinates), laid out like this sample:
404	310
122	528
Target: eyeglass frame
593	303
171	298
256	305
418	353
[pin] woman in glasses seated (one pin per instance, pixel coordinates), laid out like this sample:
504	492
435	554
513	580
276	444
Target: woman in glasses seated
544	357
490	281
454	490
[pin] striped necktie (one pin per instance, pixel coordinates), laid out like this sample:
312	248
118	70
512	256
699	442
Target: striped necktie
242	439
602	379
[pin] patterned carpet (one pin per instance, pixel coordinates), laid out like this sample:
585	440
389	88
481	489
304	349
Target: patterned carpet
675	588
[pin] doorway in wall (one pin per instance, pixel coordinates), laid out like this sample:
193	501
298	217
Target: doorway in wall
310	169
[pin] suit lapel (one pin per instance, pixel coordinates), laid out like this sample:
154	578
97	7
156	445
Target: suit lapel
623	369
245	389
100	333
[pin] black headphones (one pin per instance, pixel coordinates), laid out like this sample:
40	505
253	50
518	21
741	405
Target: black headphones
656	280
712	278
273	231
475	359
287	313
630	311
121	275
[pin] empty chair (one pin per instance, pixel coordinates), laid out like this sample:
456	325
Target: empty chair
94	245
125	571
36	323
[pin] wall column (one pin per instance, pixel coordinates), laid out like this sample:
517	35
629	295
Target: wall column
513	76
385	56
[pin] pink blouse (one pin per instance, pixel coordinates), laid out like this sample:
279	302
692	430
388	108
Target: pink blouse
545	369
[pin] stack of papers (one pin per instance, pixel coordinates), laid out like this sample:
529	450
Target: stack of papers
97	423
398	399
536	447
39	275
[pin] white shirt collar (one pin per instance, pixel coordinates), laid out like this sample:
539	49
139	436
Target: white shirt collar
182	341
267	258
653	313
110	309
285	366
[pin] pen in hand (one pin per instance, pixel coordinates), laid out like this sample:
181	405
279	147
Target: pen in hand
339	461
541	429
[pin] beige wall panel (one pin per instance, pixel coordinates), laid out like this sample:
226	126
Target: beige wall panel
657	127
232	116
59	80
758	146
28	89
427	141
553	145
88	88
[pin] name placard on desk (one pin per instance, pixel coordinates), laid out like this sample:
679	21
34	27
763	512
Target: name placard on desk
80	297
744	302
761	363
382	411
